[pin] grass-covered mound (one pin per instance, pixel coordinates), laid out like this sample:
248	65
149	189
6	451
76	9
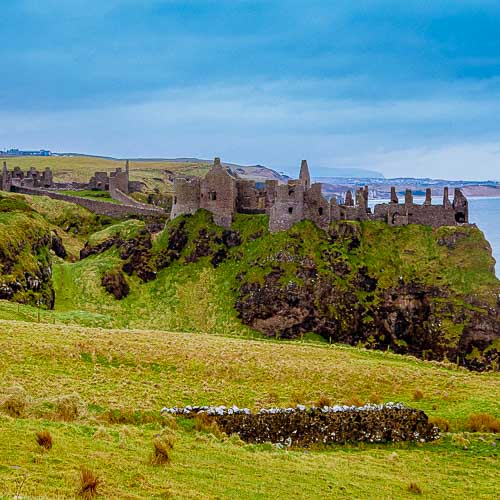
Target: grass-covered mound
99	394
25	260
429	292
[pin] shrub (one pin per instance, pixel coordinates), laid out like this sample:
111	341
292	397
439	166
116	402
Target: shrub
414	488
89	483
70	407
483	422
442	423
418	395
16	402
44	439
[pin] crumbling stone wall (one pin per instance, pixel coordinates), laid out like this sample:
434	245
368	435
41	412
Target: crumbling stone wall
223	194
302	426
98	207
118	181
445	214
288	207
250	198
218	194
315	426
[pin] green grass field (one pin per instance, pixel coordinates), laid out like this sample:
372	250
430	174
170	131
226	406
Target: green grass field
82	168
132	374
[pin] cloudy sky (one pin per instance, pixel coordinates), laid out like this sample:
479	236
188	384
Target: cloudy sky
407	88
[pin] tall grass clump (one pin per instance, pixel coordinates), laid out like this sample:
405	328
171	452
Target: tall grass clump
483	422
44	439
16	402
89	483
162	447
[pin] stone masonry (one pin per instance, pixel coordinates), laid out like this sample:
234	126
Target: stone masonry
223	194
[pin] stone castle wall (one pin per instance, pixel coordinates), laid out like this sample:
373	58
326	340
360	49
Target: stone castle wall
218	194
223	194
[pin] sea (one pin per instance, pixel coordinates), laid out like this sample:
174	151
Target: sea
485	213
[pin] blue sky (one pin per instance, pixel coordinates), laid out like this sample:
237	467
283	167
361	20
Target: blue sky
408	88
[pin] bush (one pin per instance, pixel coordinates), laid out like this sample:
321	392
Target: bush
89	483
483	422
70	407
16	402
442	423
44	439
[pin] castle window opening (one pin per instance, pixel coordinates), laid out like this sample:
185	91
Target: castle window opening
175	199
212	196
290	210
320	211
291	192
460	217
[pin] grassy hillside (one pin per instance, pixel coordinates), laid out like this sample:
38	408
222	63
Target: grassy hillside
198	290
82	168
129	376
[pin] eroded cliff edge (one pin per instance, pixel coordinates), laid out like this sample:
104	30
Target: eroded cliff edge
415	290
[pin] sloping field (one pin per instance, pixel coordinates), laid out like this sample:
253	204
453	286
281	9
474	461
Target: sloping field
82	168
119	380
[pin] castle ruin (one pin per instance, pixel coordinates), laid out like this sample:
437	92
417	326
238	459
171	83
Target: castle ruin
223	194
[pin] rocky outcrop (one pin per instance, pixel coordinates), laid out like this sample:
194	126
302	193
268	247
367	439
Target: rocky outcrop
26	271
115	283
346	302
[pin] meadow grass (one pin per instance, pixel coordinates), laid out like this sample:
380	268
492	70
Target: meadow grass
82	168
127	376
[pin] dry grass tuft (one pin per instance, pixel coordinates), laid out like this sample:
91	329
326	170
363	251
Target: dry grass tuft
89	483
414	488
483	422
205	423
44	439
375	398
162	446
16	402
354	401
70	407
323	400
443	424
418	395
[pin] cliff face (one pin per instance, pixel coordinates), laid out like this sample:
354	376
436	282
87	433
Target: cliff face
25	260
414	290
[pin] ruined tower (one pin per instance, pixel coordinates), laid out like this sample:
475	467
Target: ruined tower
5	178
304	175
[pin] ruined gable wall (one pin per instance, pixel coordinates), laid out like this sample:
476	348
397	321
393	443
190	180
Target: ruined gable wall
186	197
118	181
99	181
218	195
316	208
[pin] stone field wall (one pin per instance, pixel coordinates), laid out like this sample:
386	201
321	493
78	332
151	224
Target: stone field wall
98	207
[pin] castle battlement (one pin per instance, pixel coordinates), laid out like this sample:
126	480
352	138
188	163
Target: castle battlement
224	194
